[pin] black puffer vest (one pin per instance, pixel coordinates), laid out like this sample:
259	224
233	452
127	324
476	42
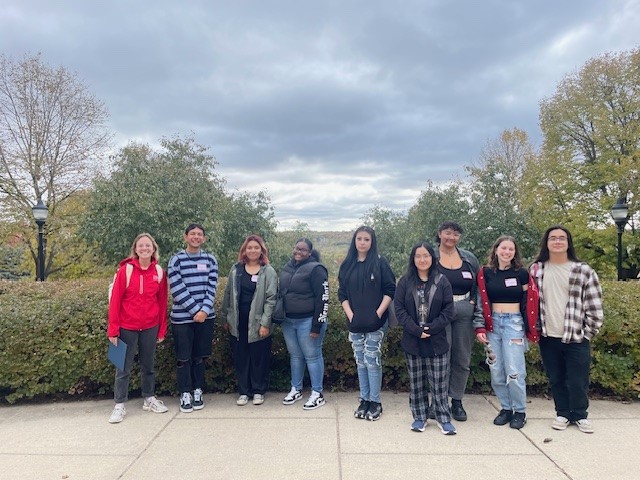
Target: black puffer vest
295	280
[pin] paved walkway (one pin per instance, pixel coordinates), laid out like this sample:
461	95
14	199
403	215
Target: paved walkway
73	440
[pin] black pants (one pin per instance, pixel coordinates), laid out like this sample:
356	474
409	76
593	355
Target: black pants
192	342
252	362
567	366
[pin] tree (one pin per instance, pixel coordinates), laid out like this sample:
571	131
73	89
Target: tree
437	204
51	130
161	192
497	194
591	153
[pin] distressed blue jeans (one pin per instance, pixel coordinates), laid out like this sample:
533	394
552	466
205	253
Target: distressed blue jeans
304	351
508	341
367	350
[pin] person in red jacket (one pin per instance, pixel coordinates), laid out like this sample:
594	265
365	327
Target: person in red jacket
137	316
509	303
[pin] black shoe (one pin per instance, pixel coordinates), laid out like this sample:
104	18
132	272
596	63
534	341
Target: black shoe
518	420
457	411
503	417
375	411
362	409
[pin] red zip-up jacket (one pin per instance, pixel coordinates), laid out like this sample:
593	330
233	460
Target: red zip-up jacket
142	304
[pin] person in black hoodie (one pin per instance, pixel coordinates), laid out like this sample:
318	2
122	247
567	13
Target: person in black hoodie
424	307
305	286
366	290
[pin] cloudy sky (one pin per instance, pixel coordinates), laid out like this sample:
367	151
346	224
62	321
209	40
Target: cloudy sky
331	107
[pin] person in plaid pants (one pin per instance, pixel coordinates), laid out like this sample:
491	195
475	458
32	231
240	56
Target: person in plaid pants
424	307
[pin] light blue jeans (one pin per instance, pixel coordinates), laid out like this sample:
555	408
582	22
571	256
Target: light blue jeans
367	350
508	341
304	351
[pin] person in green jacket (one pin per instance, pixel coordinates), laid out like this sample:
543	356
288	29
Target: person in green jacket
249	299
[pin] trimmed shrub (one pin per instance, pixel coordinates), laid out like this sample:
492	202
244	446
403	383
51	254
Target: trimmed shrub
53	343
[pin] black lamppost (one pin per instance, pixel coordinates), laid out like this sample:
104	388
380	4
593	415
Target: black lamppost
40	213
620	215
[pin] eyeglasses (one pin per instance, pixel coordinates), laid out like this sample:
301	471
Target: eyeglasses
558	239
301	250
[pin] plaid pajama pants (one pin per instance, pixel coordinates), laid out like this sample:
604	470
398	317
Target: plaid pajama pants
424	373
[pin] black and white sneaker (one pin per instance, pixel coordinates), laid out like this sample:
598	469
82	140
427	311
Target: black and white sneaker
315	400
362	409
186	404
292	397
198	401
375	411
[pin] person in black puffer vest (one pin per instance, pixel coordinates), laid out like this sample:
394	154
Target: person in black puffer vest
304	285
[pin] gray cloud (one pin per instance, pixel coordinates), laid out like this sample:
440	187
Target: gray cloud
331	108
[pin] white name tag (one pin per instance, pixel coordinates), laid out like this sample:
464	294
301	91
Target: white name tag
467	275
254	278
510	282
202	267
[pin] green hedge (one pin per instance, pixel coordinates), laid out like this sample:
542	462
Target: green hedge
53	343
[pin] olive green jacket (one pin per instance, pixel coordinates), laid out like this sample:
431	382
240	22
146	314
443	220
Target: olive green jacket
264	300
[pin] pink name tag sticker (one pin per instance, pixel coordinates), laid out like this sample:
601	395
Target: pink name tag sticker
510	282
467	275
254	278
202	267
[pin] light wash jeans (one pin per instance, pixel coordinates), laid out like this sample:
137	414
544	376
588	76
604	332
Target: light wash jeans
304	350
509	372
367	350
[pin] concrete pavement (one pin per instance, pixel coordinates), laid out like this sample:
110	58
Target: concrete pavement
73	440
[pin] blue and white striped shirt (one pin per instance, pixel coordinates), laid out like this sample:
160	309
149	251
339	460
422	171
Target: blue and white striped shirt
193	280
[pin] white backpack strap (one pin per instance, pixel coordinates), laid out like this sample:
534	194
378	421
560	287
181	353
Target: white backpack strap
128	272
159	272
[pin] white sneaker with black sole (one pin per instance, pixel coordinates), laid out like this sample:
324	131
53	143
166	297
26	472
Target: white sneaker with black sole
198	401
292	397
315	400
186	403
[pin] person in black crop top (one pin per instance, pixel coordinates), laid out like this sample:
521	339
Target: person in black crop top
460	267
502	287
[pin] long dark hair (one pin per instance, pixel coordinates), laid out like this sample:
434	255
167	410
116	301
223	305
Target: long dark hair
516	261
412	270
371	262
543	254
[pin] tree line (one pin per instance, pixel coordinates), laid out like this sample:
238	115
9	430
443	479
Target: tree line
54	141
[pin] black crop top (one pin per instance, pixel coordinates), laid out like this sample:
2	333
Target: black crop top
505	286
461	279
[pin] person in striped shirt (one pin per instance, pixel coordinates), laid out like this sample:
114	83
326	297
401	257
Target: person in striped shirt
193	280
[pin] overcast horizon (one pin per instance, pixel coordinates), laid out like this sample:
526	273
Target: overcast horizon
330	108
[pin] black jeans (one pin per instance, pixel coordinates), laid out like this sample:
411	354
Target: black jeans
567	366
192	342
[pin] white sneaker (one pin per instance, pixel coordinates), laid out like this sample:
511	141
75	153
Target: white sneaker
117	415
315	400
152	404
584	425
186	402
198	402
292	397
560	423
258	399
242	400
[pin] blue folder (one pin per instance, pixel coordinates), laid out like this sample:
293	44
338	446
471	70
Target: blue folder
116	355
